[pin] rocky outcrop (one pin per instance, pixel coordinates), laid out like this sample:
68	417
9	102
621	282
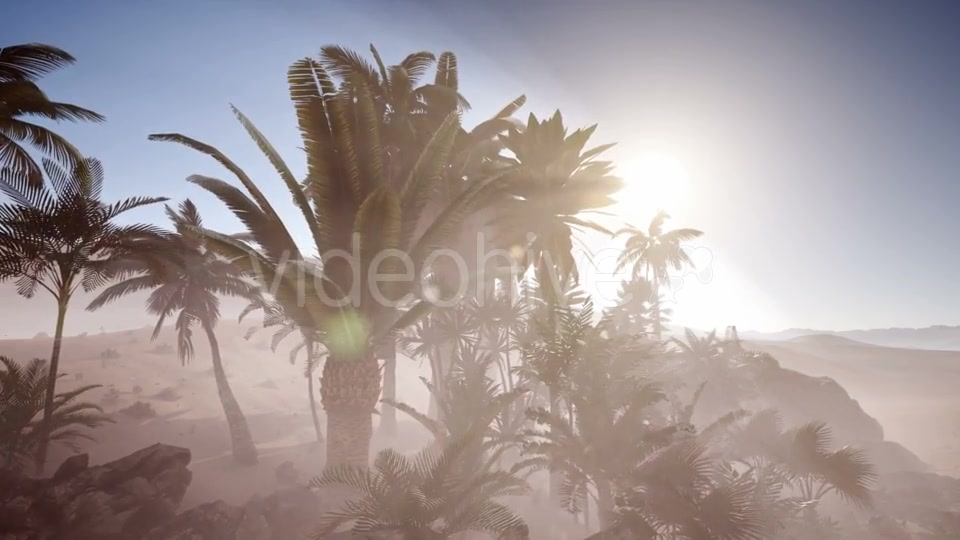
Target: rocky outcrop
802	398
917	497
118	500
211	521
290	512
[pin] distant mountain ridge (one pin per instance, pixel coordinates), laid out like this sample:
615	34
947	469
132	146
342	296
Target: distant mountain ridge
939	337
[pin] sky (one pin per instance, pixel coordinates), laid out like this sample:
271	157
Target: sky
815	143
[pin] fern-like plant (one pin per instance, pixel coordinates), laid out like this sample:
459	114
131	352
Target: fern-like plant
433	495
22	397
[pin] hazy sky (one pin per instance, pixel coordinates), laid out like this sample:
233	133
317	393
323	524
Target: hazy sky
814	142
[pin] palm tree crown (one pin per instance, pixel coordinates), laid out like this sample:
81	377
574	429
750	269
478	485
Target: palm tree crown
21	98
554	179
63	237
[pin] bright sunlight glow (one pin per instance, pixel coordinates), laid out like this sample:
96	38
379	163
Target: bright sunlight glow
652	182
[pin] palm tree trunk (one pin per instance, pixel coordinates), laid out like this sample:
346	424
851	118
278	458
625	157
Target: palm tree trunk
313	400
605	504
349	389
388	414
656	306
244	451
445	355
434	360
556	480
586	512
41	461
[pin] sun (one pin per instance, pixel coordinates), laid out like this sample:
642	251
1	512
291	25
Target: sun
654	181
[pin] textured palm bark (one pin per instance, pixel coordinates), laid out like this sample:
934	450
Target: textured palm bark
244	451
349	391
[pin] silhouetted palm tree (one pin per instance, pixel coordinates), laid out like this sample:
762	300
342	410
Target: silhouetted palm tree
63	237
469	403
22	398
675	493
21	98
654	253
347	196
189	287
607	424
632	314
553	181
273	317
801	459
499	317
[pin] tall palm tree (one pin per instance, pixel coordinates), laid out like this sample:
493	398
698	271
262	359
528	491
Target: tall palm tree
62	237
499	317
411	113
347	198
190	286
595	441
654	252
22	398
21	98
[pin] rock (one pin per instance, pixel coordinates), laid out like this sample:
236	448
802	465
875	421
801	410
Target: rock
117	500
139	411
287	513
802	398
71	466
287	473
211	521
291	512
253	526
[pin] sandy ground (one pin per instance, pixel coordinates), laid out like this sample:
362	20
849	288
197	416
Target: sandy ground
271	391
913	393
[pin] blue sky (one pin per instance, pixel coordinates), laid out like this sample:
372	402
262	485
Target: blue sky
819	139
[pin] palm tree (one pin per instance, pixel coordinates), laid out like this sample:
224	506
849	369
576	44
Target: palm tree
22	398
190	286
676	492
633	312
654	253
439	338
410	115
606	426
499	317
63	237
716	363
553	180
433	496
21	98
273	317
469	403
802	462
347	198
